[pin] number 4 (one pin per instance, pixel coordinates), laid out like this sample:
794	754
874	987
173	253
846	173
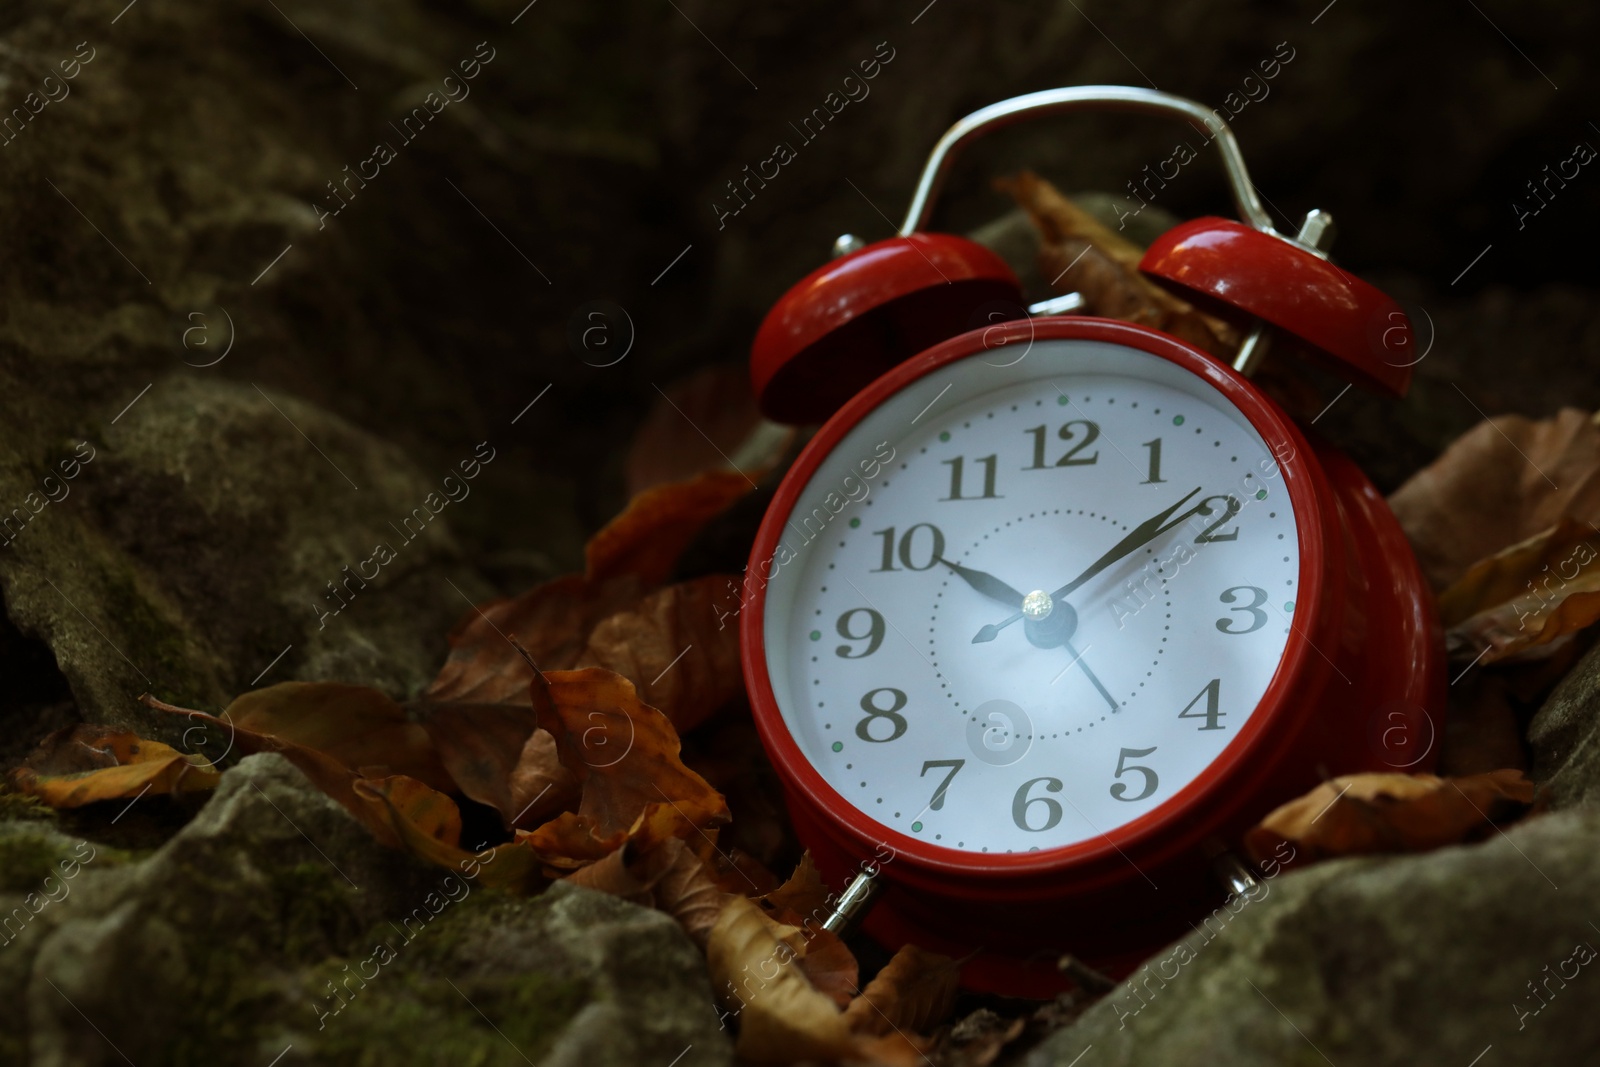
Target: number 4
1211	693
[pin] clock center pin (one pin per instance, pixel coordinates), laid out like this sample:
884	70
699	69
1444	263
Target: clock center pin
1037	605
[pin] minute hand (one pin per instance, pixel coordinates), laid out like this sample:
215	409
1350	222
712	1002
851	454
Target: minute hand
1145	532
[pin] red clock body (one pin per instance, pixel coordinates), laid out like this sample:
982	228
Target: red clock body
1358	687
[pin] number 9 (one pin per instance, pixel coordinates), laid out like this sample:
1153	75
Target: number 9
873	636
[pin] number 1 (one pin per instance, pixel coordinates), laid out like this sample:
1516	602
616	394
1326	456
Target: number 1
1155	462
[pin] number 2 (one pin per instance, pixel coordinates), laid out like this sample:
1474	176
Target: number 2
1090	432
1206	536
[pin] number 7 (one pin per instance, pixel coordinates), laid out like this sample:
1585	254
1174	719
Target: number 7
937	804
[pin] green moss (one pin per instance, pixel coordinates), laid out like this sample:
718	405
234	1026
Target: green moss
405	1017
316	909
27	859
19	807
161	641
241	988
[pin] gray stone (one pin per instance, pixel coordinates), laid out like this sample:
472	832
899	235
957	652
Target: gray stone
1564	737
1416	959
204	548
256	928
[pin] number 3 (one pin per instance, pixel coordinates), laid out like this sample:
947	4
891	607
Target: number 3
1257	616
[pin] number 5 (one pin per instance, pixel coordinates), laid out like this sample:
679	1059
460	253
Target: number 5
1119	790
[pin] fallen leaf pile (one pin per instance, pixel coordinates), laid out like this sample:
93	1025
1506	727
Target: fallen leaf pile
563	713
1363	814
1503	523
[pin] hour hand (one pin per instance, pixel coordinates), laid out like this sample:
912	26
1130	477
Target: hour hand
987	584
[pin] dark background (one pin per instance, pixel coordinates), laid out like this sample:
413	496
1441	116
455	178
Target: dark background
426	315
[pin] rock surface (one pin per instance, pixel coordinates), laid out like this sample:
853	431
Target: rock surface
1418	959
1565	737
256	930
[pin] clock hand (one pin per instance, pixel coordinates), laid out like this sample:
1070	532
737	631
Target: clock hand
1078	659
1136	538
987	584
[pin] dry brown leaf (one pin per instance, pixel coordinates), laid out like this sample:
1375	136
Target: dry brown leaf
830	966
1361	814
398	810
1082	255
428	825
552	621
82	764
687	893
802	894
359	727
782	1017
668	876
624	754
327	773
676	647
497	755
1501	482
1513	604
717	402
911	995
977	1039
657	525
731	869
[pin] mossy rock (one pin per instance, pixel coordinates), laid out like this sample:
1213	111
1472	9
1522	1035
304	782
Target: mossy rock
257	927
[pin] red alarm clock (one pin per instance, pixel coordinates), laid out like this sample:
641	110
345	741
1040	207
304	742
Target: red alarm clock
1049	612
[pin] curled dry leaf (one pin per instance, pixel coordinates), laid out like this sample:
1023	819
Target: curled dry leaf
675	644
733	869
829	965
1513	604
1082	255
1502	482
1361	814
717	402
657	525
803	894
498	756
326	772
624	755
552	621
667	876
81	764
782	1017
359	727
912	994
676	647
427	824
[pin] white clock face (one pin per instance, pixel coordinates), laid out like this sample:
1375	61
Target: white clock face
1019	606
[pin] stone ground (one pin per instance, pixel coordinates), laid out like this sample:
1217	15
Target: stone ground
268	388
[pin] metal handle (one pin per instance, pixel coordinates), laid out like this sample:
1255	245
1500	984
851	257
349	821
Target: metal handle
1084	98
